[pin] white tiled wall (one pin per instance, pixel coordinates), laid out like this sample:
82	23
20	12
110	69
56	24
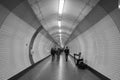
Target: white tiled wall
100	46
107	41
41	47
15	36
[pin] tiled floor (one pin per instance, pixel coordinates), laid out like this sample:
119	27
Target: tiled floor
58	70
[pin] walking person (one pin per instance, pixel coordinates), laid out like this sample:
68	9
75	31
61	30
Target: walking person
53	53
59	53
66	53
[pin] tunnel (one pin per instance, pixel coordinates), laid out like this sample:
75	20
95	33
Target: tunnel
30	28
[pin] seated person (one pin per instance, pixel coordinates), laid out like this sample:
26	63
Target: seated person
77	57
79	61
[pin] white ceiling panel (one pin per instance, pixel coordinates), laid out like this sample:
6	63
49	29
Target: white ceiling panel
74	11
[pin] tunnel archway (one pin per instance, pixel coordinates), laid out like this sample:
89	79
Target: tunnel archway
32	42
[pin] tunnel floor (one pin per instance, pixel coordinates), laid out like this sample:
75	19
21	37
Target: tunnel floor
58	70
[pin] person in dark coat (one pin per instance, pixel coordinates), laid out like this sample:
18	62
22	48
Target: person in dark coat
53	54
58	54
66	53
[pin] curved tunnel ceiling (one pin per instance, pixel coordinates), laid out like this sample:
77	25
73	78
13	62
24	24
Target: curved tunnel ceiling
74	12
64	37
103	8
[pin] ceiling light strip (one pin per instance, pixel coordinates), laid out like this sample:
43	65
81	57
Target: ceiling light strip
61	5
59	24
119	4
61	40
60	30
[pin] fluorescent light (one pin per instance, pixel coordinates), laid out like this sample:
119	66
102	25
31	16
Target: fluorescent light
61	5
119	4
59	23
60	30
61	40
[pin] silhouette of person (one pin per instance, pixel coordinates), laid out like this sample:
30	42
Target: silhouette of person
58	54
66	53
79	58
53	53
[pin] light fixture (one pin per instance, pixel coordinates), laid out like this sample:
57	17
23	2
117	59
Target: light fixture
60	30
61	44
59	23
119	4
61	5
